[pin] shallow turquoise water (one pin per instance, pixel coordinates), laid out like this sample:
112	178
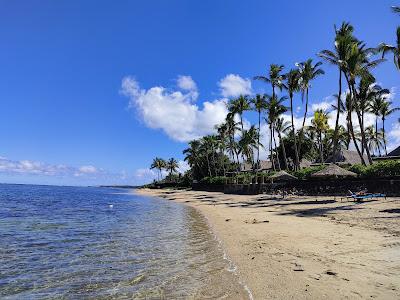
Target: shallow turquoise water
76	242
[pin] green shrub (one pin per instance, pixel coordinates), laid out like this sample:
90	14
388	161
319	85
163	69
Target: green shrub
213	180
384	168
380	169
358	169
306	172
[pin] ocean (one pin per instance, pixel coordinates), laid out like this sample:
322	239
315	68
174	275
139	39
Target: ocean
105	243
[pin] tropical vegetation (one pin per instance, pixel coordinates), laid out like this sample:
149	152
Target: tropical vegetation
288	141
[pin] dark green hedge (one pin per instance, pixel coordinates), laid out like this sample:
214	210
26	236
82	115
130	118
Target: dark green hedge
379	169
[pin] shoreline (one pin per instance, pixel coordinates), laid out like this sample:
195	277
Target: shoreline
300	248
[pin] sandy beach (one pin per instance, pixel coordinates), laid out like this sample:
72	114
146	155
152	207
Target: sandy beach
305	247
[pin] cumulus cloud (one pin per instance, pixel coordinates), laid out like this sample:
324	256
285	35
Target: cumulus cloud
233	85
174	111
186	83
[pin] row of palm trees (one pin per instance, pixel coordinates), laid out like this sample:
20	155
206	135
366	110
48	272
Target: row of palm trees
358	95
171	166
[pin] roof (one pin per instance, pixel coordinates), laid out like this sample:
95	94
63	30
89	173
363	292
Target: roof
346	157
334	171
304	163
264	165
245	167
282	176
395	152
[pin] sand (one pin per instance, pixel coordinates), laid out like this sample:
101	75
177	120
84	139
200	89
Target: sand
305	247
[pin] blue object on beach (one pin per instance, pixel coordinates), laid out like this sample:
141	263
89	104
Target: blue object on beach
367	196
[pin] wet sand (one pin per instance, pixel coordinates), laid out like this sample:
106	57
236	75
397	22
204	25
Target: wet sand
305	247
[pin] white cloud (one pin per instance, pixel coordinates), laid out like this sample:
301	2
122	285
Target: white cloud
394	137
88	170
29	167
174	111
324	105
186	83
233	85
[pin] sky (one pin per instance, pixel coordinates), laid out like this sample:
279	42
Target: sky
92	91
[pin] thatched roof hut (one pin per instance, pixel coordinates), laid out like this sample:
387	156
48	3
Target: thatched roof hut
333	170
282	176
346	157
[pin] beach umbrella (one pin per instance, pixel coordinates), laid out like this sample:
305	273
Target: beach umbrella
333	170
282	176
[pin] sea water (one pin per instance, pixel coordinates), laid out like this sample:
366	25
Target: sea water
105	243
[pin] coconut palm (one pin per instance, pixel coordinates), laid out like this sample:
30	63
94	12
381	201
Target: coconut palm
172	166
231	128
159	164
343	41
308	72
274	109
192	154
274	77
259	105
386	110
395	50
238	106
293	86
248	142
375	139
375	107
320	125
282	127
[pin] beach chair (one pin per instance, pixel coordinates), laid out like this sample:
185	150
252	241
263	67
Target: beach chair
362	195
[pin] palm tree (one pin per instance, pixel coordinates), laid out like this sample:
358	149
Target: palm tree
375	107
260	104
274	77
274	109
231	128
281	127
386	110
159	164
390	48
320	124
343	39
249	142
375	139
308	72
172	166
358	65
192	154
292	85
238	106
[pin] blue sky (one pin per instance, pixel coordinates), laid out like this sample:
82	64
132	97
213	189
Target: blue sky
67	118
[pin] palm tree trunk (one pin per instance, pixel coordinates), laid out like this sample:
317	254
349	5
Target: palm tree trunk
376	135
283	150
354	139
304	122
321	149
335	134
296	154
276	149
351	121
383	131
360	122
208	165
258	141
270	148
